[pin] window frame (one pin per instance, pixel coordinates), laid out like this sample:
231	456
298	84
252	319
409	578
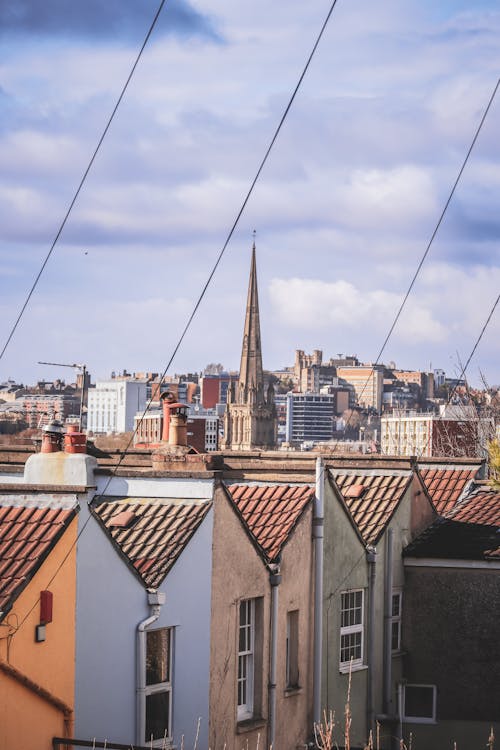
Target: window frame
420	719
396	620
245	710
292	650
158	687
350	630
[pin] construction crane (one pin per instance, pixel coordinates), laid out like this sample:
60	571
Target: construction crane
83	369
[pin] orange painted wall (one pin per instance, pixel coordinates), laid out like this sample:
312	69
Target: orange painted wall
27	721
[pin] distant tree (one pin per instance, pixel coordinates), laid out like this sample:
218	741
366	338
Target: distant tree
214	368
494	463
352	419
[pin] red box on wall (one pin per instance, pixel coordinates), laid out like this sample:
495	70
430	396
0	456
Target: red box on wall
46	600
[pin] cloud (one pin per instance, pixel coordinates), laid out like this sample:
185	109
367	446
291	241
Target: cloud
111	20
316	304
344	207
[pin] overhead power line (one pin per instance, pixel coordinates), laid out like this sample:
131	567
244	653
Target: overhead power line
212	273
233	226
82	181
434	233
440	220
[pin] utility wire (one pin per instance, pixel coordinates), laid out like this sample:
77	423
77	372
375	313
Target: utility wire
231	231
464	367
83	179
212	273
434	233
436	229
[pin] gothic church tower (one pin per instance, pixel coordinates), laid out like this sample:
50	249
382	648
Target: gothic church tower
250	418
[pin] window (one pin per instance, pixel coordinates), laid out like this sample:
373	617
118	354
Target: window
249	683
292	649
158	693
246	658
351	628
397	601
419	703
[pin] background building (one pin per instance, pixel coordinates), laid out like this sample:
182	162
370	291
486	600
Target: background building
113	404
310	417
368	382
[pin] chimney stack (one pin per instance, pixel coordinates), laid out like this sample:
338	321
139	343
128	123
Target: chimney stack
52	436
74	440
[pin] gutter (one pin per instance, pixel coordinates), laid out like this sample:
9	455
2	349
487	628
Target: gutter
274	580
155	601
387	671
317	533
371	559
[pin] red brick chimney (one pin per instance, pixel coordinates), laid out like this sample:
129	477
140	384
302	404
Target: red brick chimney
52	436
74	440
174	430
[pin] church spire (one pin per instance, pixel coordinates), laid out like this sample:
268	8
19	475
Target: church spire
251	380
250	417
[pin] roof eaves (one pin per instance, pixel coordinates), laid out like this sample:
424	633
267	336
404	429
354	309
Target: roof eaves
343	504
259	549
145	580
72	512
390	516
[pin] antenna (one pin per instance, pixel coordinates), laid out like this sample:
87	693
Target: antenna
83	368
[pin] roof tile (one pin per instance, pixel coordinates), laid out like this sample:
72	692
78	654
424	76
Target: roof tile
155	541
28	534
446	486
371	498
270	513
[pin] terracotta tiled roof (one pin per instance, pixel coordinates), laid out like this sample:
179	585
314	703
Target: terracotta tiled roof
270	513
151	533
480	507
446	485
449	539
27	535
371	497
470	530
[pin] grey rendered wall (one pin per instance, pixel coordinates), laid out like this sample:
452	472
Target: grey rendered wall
452	640
344	568
111	602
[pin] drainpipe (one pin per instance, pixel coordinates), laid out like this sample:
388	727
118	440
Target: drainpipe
155	601
318	520
387	676
274	580
371	559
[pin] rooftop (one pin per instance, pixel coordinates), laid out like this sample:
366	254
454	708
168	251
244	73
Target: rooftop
480	507
27	535
270	513
150	533
371	497
446	483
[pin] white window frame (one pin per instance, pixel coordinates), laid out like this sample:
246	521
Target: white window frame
246	659
347	631
159	687
420	719
396	619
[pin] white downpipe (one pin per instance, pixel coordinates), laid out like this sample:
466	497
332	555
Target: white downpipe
318	521
371	559
387	672
155	601
275	580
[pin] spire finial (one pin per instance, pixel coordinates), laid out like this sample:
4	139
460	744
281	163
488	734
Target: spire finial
254	234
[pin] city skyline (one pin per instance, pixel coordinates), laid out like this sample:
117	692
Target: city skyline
343	211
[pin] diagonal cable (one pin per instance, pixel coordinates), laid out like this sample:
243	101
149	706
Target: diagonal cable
83	179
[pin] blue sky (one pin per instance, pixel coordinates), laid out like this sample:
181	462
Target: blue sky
343	211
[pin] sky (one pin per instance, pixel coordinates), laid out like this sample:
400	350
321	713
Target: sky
343	210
